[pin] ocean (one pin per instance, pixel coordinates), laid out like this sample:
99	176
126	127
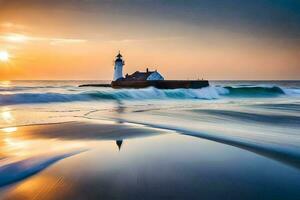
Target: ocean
231	140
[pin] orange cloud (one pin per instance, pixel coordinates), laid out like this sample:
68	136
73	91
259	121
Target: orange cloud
10	25
19	38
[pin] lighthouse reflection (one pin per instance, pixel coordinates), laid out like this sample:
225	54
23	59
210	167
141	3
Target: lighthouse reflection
119	110
119	144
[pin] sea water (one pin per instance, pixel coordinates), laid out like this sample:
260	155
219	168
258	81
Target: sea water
260	117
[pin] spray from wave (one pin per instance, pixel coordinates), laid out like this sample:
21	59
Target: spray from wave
212	92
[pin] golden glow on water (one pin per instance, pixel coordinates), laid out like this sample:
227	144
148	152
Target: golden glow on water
7	120
16	148
7	116
25	148
5	83
9	129
17	143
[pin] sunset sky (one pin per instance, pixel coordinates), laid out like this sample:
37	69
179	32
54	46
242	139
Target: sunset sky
211	39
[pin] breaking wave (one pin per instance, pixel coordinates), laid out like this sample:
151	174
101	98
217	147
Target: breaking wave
212	92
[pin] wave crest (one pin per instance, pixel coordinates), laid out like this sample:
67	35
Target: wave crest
212	92
255	91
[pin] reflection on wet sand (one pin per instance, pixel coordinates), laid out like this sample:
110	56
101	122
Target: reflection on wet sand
285	155
119	144
39	146
83	130
40	187
168	166
7	116
9	129
27	140
120	109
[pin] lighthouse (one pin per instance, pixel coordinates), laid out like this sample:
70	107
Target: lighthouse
118	70
143	79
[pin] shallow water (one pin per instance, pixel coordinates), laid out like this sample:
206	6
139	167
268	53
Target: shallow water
233	140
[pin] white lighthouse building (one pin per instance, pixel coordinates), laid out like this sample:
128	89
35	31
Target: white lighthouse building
136	76
118	70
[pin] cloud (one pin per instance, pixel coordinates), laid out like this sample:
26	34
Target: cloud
59	41
147	39
10	25
20	38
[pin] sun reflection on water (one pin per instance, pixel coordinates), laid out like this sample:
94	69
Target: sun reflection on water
21	143
9	129
6	118
5	83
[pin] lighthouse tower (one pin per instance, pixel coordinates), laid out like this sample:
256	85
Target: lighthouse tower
118	71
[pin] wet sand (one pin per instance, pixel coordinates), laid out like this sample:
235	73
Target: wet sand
107	160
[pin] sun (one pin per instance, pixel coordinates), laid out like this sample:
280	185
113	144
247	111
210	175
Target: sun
4	56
